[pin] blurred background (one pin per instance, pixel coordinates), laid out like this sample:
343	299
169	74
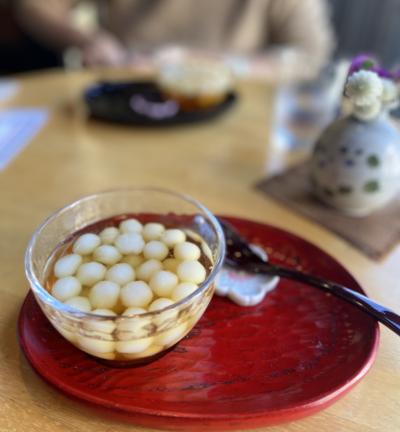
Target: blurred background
359	26
302	47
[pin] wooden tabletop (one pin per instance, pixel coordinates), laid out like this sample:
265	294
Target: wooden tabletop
217	163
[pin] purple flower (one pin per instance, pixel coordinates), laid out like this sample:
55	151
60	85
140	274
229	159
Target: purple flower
396	74
363	61
371	63
383	73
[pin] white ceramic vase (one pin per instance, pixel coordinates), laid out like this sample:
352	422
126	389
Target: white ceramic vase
355	166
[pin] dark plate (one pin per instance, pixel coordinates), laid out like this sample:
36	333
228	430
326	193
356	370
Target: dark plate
140	103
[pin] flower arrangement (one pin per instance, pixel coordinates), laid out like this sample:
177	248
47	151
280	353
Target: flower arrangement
371	88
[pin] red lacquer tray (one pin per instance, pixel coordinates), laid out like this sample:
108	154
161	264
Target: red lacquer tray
288	357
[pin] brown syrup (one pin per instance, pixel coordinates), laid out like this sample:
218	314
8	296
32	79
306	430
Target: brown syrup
169	221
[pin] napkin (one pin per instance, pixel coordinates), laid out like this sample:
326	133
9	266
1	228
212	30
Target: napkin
374	235
17	128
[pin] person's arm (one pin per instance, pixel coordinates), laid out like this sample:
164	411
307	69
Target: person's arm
303	26
298	43
47	21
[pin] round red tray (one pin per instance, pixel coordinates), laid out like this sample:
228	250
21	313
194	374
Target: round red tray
288	357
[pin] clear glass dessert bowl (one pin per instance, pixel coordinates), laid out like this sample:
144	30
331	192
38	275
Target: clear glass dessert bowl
127	338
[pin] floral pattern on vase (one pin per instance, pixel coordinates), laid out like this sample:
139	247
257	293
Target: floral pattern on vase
355	166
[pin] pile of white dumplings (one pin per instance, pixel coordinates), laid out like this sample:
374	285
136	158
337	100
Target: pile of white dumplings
124	272
130	269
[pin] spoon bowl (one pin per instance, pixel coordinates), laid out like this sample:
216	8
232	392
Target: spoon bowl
240	255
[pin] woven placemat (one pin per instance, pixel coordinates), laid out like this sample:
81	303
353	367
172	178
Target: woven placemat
374	235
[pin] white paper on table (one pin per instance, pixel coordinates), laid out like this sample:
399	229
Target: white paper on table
17	128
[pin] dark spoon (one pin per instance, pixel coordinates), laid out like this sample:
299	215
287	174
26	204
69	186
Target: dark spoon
239	254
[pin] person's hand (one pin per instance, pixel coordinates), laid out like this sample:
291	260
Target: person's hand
103	49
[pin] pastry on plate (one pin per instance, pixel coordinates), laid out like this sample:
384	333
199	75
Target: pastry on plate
195	84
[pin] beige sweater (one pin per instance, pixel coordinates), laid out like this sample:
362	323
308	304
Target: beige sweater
237	26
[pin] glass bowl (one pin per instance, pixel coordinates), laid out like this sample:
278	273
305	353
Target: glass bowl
133	338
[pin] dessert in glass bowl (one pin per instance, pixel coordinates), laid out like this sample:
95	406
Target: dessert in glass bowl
195	83
125	274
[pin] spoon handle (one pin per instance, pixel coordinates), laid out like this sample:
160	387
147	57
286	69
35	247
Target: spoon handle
380	312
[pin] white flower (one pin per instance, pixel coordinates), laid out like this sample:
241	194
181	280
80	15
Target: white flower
390	92
364	88
367	112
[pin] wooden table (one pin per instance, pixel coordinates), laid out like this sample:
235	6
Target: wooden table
218	164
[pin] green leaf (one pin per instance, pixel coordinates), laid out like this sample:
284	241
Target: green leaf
371	186
329	192
368	64
373	161
344	189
